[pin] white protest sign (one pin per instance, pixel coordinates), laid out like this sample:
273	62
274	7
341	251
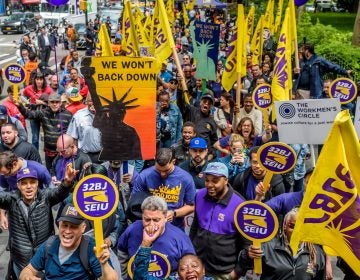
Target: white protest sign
357	117
306	121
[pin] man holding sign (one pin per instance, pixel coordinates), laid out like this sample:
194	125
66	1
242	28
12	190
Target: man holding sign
60	258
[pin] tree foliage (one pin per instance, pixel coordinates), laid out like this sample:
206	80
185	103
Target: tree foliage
330	43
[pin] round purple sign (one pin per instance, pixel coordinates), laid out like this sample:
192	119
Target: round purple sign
344	89
262	98
14	74
276	157
159	266
96	197
256	221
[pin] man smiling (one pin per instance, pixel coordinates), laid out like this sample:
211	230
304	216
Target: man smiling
30	215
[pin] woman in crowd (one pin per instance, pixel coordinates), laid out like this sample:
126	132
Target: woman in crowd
247	130
237	160
37	94
223	115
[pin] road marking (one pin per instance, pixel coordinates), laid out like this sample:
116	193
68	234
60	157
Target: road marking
8	59
4	54
7	45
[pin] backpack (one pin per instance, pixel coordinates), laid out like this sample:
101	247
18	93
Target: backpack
84	260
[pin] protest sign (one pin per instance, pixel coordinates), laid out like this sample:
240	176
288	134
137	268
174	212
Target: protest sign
305	121
205	38
96	197
257	222
344	89
159	266
123	90
15	75
262	100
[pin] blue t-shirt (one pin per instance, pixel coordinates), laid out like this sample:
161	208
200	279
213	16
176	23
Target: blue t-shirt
173	243
9	183
71	269
177	189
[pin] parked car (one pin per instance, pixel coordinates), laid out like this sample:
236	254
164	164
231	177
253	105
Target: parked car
323	5
19	22
309	8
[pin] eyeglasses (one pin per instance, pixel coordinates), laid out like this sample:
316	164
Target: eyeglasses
187	267
55	101
173	83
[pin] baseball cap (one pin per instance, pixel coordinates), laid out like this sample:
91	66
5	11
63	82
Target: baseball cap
26	173
3	112
54	97
73	95
71	215
208	96
217	169
198	143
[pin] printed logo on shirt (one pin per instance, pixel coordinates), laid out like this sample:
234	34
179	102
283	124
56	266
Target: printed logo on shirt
221	217
171	195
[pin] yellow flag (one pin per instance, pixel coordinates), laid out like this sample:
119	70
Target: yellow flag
129	41
162	41
250	20
170	11
138	14
269	16
190	5
256	45
103	46
278	15
185	15
293	31
141	36
330	212
236	55
282	80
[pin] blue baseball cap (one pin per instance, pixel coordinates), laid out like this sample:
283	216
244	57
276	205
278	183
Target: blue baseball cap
217	169
26	173
198	143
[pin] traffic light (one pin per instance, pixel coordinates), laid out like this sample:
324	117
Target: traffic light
83	5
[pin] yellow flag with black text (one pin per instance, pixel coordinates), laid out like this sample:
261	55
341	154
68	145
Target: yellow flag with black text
103	46
330	212
281	84
256	45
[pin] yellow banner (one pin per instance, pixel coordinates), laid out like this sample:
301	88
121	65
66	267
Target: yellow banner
124	88
330	212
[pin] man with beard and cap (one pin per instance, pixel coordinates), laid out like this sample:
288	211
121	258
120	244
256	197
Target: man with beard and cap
5	118
197	163
81	128
205	125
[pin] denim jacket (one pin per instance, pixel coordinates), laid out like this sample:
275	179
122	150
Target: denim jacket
175	124
317	67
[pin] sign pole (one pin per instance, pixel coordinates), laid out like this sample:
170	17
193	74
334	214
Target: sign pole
257	262
99	237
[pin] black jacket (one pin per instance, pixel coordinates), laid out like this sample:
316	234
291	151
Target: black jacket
29	231
24	150
279	264
52	123
276	184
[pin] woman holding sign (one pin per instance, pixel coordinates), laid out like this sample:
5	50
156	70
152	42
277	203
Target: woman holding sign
277	258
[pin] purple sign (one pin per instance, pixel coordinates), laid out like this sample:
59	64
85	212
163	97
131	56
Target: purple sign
300	2
262	96
57	2
344	89
96	197
276	157
159	266
256	221
14	73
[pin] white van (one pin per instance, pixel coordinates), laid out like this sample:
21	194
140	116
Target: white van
322	5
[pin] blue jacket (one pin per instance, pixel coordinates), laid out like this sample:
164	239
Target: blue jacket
234	169
317	66
175	125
